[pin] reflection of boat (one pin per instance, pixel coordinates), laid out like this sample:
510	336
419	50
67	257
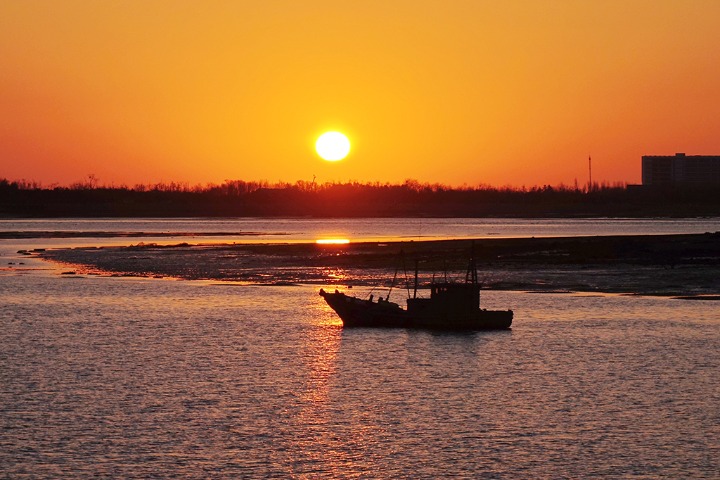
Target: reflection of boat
451	306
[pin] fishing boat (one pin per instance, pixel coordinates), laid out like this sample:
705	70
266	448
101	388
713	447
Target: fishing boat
451	306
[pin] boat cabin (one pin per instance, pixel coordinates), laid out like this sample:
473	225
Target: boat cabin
447	299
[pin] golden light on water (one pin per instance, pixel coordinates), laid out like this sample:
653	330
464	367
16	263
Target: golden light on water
332	241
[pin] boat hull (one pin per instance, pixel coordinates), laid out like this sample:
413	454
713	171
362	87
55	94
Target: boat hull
355	312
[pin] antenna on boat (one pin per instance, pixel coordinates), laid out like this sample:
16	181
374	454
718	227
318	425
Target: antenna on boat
416	279
471	275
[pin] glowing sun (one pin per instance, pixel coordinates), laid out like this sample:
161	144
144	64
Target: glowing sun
332	146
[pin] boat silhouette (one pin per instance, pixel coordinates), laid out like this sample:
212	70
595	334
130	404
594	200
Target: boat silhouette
451	306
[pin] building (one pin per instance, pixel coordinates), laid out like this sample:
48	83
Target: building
681	170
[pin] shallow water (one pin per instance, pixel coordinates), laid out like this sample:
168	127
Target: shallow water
139	378
142	378
244	230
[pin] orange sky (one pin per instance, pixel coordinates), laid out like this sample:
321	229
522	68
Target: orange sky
458	92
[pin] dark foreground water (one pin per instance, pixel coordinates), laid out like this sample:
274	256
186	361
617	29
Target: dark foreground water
141	378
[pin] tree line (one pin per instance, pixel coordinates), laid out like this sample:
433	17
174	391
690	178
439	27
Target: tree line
348	199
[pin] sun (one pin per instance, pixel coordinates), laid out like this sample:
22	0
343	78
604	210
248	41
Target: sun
332	146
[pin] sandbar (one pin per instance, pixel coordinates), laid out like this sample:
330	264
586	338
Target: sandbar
668	265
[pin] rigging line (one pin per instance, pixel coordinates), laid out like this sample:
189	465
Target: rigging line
394	280
371	291
407	282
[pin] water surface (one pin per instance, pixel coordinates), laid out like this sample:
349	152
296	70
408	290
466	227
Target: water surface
142	378
356	229
138	378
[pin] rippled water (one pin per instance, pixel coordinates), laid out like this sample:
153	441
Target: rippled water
356	229
140	378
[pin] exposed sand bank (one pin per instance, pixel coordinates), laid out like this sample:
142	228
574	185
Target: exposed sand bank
673	265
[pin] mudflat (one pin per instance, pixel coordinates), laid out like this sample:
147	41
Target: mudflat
674	265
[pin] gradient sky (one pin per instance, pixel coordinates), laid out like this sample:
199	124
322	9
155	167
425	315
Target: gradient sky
457	92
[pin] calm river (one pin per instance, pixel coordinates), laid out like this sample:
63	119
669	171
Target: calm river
141	378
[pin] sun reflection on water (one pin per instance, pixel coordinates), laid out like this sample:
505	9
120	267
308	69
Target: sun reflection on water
337	274
320	351
332	241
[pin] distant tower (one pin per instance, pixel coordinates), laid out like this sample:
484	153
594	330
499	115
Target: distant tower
590	172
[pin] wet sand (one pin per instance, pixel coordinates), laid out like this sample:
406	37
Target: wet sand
669	265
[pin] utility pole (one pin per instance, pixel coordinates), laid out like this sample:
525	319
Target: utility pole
590	172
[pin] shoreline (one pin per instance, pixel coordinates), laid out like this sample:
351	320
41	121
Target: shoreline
685	265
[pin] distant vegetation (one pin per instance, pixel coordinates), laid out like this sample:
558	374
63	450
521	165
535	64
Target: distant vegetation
352	199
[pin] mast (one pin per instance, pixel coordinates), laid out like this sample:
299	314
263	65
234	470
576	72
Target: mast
416	279
472	278
402	255
471	275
